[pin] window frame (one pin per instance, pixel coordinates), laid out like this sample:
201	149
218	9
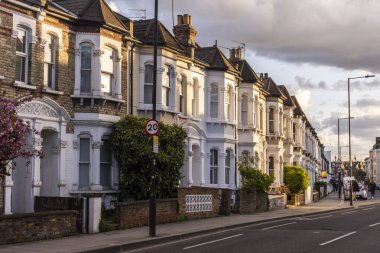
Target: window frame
23	55
271	169
214	163
271	120
244	110
167	84
227	166
148	99
90	70
110	74
80	162
108	163
195	98
52	63
214	101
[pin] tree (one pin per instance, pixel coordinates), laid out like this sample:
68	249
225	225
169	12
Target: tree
132	148
13	131
296	179
253	178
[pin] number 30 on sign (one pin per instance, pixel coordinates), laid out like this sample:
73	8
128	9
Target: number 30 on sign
152	127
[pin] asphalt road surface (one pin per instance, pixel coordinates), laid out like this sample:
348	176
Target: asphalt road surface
352	231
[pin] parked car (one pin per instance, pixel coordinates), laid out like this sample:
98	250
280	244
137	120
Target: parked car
362	193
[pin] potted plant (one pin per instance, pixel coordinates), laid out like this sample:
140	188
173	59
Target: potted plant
297	180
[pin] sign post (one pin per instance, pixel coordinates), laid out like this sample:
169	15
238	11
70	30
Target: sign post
152	127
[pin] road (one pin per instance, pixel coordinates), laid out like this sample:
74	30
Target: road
354	230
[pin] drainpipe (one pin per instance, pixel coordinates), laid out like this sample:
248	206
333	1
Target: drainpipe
236	131
131	79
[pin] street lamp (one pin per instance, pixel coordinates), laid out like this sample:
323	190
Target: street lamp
349	128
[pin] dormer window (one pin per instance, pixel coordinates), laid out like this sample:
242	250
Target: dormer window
108	70
86	68
49	62
21	55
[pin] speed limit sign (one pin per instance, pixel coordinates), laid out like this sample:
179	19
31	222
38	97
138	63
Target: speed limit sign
152	127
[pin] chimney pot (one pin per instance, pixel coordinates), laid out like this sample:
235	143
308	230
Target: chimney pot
179	19
266	75
185	19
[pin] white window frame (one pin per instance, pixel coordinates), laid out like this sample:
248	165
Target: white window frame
214	101
227	166
244	110
182	95
195	97
148	99
271	121
110	74
271	169
51	45
214	155
24	55
166	86
228	102
91	46
80	162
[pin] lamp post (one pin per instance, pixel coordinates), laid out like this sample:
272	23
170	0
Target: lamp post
349	128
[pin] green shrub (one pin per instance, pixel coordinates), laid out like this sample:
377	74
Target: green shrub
132	148
255	179
296	179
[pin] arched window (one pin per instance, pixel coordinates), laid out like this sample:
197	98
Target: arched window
86	68
228	166
108	70
105	163
213	166
166	86
244	110
22	55
182	95
214	102
271	165
148	84
271	120
50	53
195	97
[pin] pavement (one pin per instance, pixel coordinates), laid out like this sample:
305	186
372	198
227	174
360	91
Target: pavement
122	240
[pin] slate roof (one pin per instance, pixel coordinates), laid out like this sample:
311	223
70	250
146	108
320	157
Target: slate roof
246	72
215	58
288	101
144	31
270	86
93	11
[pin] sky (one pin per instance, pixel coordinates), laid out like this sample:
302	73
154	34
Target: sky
312	47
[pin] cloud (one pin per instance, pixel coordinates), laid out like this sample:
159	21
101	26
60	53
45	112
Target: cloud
367	102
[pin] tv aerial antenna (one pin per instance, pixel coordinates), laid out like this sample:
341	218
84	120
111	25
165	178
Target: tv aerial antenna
242	45
139	10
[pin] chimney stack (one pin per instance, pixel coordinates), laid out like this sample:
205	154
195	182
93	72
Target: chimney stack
265	75
236	54
185	33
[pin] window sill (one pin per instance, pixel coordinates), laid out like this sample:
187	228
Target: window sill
48	90
23	85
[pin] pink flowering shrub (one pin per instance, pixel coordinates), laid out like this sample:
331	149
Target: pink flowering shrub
13	131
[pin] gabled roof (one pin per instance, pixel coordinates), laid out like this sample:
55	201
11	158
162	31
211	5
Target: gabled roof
93	11
144	31
215	58
270	86
246	72
288	101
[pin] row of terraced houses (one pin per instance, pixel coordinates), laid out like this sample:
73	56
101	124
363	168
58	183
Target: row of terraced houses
87	66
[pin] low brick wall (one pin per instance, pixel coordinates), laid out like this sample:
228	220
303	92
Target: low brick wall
136	213
277	201
316	196
36	226
296	199
251	201
221	202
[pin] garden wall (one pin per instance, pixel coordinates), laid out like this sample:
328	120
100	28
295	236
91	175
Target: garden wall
37	226
251	201
136	213
277	201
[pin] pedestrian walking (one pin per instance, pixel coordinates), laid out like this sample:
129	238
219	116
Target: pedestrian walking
372	188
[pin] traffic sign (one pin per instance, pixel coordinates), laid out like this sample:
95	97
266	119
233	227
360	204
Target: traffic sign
152	127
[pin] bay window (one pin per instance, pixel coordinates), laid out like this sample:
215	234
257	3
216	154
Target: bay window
108	70
214	102
213	166
148	84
